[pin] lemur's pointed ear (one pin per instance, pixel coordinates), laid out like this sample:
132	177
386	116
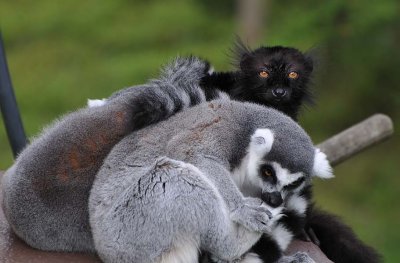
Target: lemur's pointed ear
321	167
240	53
261	141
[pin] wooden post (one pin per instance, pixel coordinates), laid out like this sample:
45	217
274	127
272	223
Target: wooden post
251	14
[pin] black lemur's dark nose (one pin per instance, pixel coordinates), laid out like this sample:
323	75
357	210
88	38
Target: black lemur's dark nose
279	92
273	199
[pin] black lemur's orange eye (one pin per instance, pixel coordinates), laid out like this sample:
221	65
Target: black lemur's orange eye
263	74
293	75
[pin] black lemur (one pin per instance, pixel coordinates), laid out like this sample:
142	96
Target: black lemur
277	77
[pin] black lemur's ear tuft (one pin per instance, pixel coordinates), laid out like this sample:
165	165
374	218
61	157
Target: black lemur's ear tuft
240	53
309	62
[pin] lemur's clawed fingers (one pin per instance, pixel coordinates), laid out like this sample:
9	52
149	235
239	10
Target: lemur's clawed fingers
258	204
302	257
254	218
299	257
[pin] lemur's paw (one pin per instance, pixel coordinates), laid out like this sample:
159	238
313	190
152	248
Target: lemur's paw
299	257
253	202
302	257
253	215
247	258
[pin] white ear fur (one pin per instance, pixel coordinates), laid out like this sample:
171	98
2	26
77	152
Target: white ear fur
321	167
261	142
96	103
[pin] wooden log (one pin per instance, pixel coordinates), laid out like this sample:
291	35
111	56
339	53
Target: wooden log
14	250
357	138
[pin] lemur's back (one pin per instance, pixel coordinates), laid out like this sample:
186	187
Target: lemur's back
220	129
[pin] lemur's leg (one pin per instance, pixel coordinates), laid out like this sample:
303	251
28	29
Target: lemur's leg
165	215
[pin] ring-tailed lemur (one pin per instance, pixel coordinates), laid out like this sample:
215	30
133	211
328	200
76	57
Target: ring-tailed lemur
341	244
168	190
59	166
55	172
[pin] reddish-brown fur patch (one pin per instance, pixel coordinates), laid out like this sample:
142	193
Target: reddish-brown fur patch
120	117
73	159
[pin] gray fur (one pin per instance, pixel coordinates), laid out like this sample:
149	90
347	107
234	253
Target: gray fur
47	189
148	204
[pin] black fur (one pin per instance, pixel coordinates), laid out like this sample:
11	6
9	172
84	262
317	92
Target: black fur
267	249
245	84
338	241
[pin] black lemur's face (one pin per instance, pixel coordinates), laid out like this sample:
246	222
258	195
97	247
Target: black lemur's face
275	76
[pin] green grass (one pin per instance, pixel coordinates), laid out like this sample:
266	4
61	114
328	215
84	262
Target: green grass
61	53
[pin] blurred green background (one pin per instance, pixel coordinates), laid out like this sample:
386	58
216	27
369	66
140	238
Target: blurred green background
62	52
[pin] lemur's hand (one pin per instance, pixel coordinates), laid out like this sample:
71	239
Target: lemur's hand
274	213
253	215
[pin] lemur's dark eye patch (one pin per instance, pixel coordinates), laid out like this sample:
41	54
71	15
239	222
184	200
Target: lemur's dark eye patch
267	173
267	170
294	184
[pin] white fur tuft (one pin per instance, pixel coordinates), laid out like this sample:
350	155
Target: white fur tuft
321	167
282	236
251	258
183	251
297	203
96	103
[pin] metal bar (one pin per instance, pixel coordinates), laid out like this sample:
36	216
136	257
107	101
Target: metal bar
8	105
